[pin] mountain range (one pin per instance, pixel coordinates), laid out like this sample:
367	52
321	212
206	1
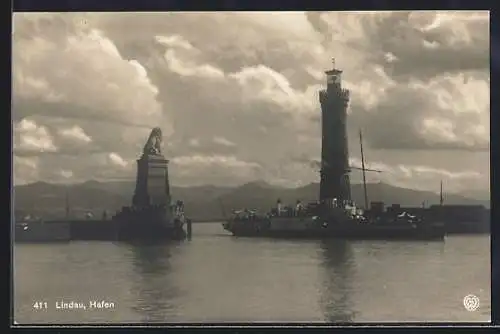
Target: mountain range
204	203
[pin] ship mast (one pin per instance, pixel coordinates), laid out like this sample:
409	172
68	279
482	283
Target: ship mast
67	203
363	169
441	199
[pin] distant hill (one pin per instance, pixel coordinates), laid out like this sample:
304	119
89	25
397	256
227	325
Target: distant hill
202	202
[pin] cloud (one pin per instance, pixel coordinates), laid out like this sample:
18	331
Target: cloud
443	172
421	44
374	166
87	70
194	142
72	168
76	133
117	159
66	174
423	177
423	72
175	41
25	170
415	170
71	78
419	176
446	42
200	160
418	81
444	113
223	141
31	137
250	84
213	169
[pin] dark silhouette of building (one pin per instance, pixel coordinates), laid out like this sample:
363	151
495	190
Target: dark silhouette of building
335	182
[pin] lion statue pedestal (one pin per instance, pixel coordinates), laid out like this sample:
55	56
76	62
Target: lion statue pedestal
152	183
150	217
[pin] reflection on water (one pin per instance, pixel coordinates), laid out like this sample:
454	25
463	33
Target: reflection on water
396	280
337	281
219	278
152	284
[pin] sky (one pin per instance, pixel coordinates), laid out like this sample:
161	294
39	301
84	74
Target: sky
236	95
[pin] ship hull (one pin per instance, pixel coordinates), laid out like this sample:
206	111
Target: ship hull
372	234
290	229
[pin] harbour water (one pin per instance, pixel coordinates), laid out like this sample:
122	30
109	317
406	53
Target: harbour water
219	278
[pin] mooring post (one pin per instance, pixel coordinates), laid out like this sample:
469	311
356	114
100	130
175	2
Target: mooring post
189	228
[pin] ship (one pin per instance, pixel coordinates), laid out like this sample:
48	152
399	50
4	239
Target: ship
334	215
151	217
320	221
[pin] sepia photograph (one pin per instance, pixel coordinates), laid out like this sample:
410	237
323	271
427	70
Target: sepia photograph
250	167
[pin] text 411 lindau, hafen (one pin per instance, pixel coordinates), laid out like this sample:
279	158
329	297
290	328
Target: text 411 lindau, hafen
89	305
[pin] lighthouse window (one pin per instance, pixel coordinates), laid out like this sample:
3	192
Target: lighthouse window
333	79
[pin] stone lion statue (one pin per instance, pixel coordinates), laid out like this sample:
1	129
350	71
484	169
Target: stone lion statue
153	145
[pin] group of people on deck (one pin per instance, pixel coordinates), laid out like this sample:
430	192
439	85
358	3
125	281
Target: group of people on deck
300	209
288	211
245	214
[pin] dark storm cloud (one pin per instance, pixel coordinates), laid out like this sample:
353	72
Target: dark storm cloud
25	108
406	117
412	46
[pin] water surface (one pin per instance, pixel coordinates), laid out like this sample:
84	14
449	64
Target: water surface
219	278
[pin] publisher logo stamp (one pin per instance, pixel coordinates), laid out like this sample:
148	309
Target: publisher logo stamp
471	303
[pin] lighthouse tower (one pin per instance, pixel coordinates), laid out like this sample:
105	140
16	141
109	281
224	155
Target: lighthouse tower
335	182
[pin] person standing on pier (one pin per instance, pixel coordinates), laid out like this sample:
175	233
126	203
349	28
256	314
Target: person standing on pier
298	207
278	205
